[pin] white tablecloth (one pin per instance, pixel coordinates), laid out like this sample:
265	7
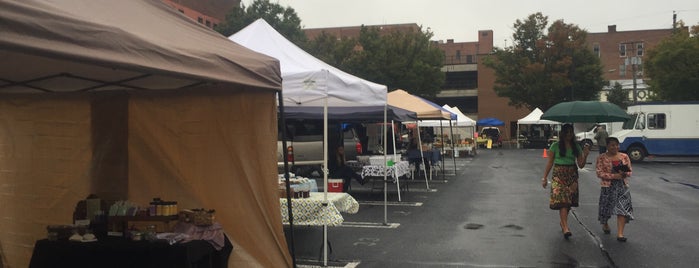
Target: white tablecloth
310	211
398	170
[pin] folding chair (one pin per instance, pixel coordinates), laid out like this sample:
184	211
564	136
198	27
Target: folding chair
435	163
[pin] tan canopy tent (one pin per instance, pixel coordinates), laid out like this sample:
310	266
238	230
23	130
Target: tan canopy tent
402	99
132	100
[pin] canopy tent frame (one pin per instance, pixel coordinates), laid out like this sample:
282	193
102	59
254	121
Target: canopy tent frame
50	62
309	82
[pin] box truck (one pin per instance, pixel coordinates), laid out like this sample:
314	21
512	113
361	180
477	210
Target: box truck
662	129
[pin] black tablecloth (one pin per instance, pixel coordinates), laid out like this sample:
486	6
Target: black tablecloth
119	252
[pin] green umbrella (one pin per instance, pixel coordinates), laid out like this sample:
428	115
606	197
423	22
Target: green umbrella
585	112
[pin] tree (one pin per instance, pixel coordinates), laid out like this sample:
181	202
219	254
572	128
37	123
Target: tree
673	65
284	20
399	59
541	69
331	50
619	96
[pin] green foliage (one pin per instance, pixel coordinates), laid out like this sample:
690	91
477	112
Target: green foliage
542	69
284	20
672	67
398	59
619	96
331	50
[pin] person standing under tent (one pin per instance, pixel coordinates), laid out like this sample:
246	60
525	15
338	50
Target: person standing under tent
339	169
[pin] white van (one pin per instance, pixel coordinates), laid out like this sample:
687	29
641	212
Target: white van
664	129
588	137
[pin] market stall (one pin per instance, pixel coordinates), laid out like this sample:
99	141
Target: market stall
537	132
425	110
311	83
131	100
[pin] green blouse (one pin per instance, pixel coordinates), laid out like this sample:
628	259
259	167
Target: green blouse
569	158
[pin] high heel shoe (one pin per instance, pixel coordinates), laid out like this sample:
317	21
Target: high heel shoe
565	234
621	239
606	229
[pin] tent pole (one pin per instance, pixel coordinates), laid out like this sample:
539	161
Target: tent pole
422	156
280	99
453	155
385	171
325	173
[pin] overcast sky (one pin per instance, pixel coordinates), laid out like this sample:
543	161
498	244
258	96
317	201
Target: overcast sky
462	19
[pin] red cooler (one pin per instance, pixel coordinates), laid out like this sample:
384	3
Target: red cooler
335	185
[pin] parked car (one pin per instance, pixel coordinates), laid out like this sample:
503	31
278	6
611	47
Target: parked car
492	133
305	145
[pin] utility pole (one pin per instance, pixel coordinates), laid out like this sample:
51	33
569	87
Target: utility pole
634	60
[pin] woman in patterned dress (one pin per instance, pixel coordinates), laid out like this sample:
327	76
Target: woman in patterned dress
566	156
614	169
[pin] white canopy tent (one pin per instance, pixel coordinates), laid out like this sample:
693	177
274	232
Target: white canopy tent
464	125
533	118
310	82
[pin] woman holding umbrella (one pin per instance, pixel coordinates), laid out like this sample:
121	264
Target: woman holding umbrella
565	158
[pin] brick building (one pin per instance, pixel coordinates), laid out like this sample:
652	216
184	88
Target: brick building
207	12
622	52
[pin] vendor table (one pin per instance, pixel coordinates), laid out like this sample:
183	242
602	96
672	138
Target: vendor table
311	211
399	169
119	252
395	172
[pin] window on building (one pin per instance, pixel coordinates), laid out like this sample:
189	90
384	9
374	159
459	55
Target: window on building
208	23
622	70
200	20
656	121
622	50
484	33
458	55
595	49
469	58
639	49
181	11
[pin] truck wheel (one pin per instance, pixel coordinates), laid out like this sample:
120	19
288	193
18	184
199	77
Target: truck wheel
636	153
587	142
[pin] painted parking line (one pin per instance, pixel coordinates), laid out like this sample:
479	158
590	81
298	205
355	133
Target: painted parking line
377	225
319	264
391	203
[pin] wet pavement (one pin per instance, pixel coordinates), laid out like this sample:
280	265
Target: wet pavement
493	212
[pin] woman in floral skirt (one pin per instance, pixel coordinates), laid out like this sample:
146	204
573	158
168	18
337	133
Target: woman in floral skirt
614	170
565	158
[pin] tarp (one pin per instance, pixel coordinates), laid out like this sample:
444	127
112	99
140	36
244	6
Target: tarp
309	81
209	145
534	118
461	119
423	108
490	121
371	114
